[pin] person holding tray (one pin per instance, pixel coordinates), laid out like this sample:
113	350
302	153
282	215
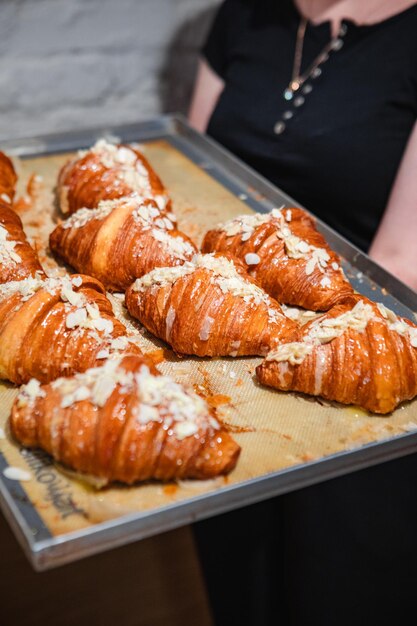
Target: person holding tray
320	96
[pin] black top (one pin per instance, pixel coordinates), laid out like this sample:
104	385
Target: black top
341	149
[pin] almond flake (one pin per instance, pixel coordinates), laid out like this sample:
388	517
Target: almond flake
252	259
16	473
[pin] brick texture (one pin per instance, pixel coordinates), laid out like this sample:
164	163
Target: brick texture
68	64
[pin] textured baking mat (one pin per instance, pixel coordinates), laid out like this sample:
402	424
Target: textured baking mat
276	430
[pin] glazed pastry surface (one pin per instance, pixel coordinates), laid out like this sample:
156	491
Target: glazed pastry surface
17	259
120	241
208	306
106	172
357	353
124	422
286	254
56	326
8	179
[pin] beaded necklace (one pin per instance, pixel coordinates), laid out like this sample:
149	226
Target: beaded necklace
301	82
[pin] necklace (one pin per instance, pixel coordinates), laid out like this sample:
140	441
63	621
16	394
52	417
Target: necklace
298	79
301	84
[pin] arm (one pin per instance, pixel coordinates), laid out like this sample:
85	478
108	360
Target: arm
394	246
207	89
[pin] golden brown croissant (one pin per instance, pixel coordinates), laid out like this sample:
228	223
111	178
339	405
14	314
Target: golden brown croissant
124	422
17	259
120	241
208	307
107	172
8	179
56	326
358	353
287	256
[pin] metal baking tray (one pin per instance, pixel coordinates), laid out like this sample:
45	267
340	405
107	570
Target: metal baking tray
288	441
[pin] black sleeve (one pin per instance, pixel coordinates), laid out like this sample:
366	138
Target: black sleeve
222	33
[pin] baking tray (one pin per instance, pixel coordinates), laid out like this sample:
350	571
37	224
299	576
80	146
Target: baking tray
288	441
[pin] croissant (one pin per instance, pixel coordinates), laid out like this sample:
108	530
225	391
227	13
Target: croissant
124	422
56	326
17	259
107	172
358	353
287	256
120	241
208	306
8	180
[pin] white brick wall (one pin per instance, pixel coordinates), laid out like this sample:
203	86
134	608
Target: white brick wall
77	63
